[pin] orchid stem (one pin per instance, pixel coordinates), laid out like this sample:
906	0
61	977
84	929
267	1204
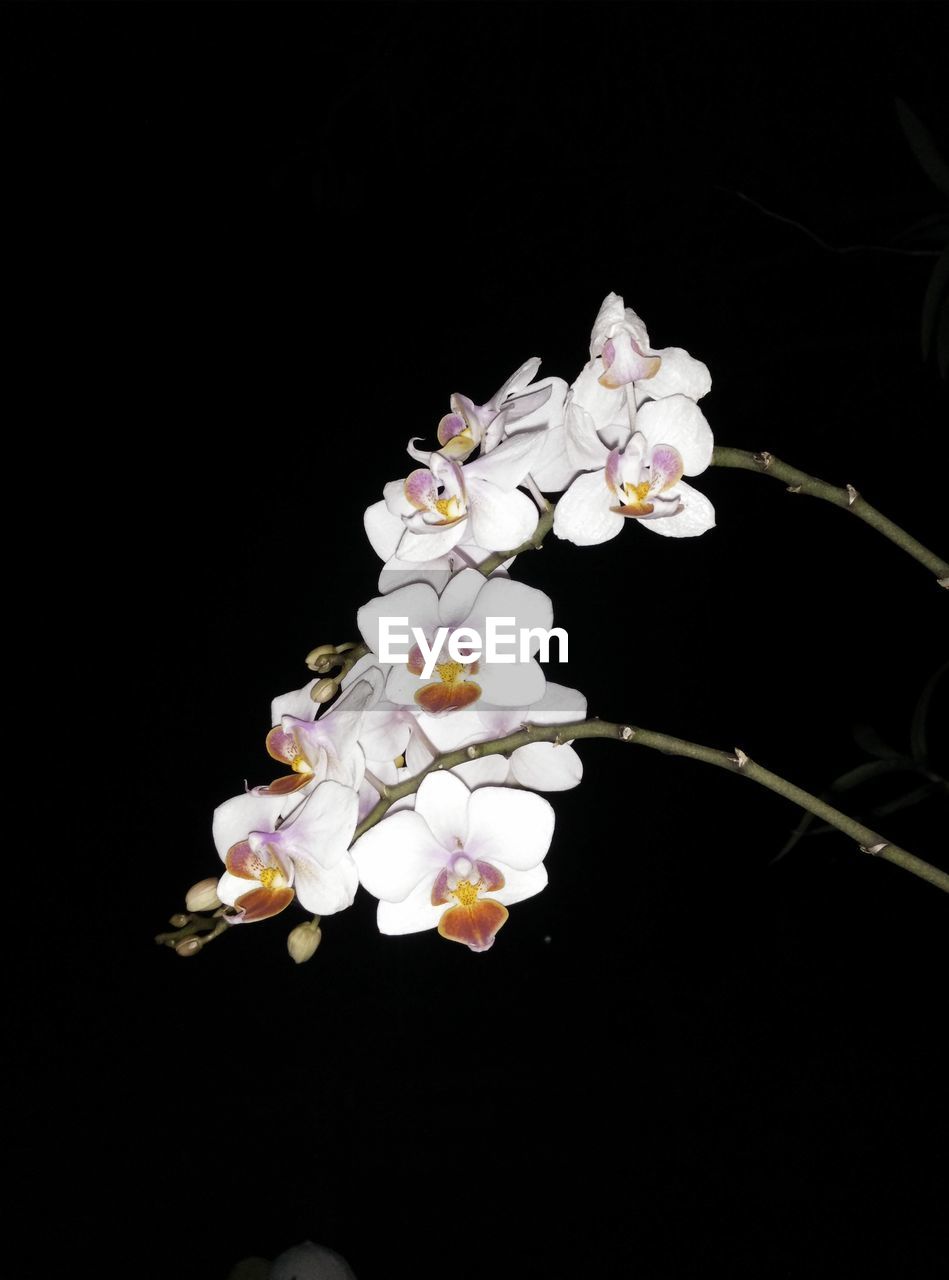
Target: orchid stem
847	498
868	841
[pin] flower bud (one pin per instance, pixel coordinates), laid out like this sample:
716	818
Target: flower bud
190	947
178	920
322	651
304	940
203	895
324	690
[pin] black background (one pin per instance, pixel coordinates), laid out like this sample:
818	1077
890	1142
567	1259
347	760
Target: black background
261	246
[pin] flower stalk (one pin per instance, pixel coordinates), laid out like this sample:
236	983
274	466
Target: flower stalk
737	762
847	498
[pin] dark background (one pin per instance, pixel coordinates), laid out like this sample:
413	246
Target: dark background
261	246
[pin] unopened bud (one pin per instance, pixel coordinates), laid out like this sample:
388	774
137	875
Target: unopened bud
321	651
203	896
324	690
178	920
304	940
344	648
190	947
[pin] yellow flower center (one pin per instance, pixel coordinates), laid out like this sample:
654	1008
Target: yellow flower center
637	491
450	508
467	893
449	671
301	765
271	875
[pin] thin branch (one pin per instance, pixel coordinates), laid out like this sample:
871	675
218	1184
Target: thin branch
847	498
868	841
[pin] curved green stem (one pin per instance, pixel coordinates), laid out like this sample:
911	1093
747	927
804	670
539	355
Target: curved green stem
737	762
847	498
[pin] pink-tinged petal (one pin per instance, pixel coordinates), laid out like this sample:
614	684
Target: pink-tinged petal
393	496
456	437
500	520
418	602
396	855
326	891
635	510
475	926
383	529
244	862
436	699
613	474
583	514
679	422
697	515
261	904
680	374
442	800
614	317
236	818
624	363
441	894
285	785
665	468
282	745
491	877
420	489
509	828
544	766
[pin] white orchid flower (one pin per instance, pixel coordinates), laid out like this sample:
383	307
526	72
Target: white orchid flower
328	747
541	766
471	425
269	858
445	504
600	409
467	601
457	861
643	481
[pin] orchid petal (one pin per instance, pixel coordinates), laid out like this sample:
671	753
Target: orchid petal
417	601
508	464
396	855
413	914
679	422
500	520
624	363
383	529
697	515
545	766
476	926
509	828
679	374
236	818
442	800
583	515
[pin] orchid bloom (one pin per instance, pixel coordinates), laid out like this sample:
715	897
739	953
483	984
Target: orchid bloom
643	481
324	748
269	860
468	600
444	504
457	861
541	766
600	408
471	425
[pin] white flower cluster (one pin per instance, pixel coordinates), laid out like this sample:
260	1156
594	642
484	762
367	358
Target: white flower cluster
469	841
